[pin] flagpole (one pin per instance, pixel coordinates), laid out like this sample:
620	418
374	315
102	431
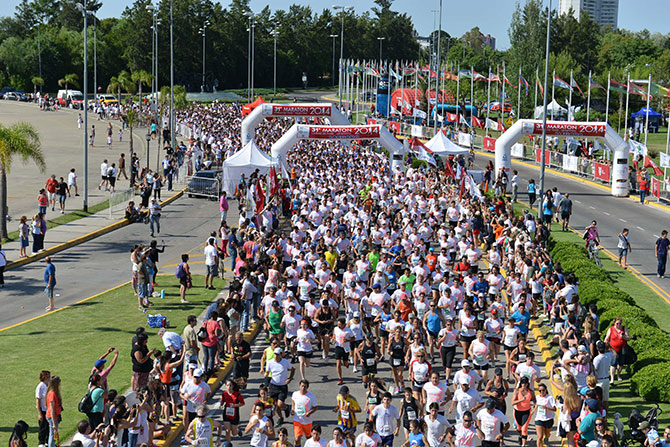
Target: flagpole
416	87
472	94
537	81
570	97
518	99
667	143
646	124
625	131
502	103
607	103
488	98
588	100
402	90
553	81
458	89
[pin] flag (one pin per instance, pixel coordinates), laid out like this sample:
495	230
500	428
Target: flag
637	147
522	81
665	160
450	75
539	84
494	77
419	114
462	120
659	90
637	90
452	117
371	71
574	84
507	80
464	73
649	163
500	127
395	75
408	71
594	84
274	187
421	151
461	189
448	169
560	83
490	124
615	86
472	187
477	122
260	197
479	76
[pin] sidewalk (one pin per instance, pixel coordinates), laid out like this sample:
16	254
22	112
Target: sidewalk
74	233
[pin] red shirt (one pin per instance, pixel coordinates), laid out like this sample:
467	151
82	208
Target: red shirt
51	185
212	327
52	398
234	398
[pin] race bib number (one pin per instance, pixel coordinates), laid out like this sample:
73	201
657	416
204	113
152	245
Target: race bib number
541	412
397	362
480	359
411	414
464	405
255	439
370	362
230	412
375	312
268	412
386	430
300	410
488	427
202	442
344	415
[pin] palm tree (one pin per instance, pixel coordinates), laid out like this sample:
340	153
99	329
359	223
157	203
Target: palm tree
141	77
131	121
114	87
126	81
68	79
37	81
20	139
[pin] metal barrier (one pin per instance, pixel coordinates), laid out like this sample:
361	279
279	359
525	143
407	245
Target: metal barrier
203	187
119	197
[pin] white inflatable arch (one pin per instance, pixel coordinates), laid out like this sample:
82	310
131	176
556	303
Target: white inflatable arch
265	110
602	130
377	132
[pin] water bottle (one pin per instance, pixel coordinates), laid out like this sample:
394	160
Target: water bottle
162	294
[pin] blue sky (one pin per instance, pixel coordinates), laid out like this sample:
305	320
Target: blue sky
492	16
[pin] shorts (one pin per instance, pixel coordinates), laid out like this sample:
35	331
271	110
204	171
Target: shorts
623	252
51	195
325	329
565	216
354	344
480	367
418	386
495	340
104	178
604	384
466	339
49	292
232	420
24	241
546	424
433	334
212	270
448	353
383	334
305	354
302	430
509	348
61	198
241	369
341	354
278	392
348	430
183	281
387	440
397	362
369	370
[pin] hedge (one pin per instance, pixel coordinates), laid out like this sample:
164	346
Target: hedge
651	382
594	292
650	356
630	316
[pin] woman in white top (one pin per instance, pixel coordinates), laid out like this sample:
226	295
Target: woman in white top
448	339
544	417
261	427
510	342
481	354
303	343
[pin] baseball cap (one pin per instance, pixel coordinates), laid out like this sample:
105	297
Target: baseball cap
490	404
198	372
377	286
643	425
498	371
99	363
192	365
278	350
494	311
582	348
593	404
357	314
465	362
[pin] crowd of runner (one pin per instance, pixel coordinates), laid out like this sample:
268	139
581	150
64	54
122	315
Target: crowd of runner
403	280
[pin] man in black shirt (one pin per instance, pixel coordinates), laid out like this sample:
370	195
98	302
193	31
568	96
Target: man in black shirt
62	191
241	355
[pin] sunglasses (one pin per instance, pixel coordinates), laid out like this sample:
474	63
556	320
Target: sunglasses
599	424
467	420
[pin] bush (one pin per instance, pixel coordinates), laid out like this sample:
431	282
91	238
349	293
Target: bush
648	338
650	357
630	316
609	304
591	292
652	382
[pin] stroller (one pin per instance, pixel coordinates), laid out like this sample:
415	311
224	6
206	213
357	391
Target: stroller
593	252
636	419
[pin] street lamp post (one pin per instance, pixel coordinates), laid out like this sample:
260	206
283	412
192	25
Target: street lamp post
380	39
253	52
172	145
332	75
95	55
83	8
439	71
339	89
202	32
274	33
148	137
250	16
544	113
154	61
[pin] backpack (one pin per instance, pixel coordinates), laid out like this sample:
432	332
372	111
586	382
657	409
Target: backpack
86	404
181	272
202	334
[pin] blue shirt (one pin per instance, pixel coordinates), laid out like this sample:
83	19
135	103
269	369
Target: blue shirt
480	287
416	440
524	318
531	188
662	246
50	271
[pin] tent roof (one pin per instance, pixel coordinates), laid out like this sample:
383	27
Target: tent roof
643	112
249	155
441	145
553	105
247	108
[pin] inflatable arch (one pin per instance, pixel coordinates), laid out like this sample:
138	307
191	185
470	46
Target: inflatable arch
618	146
265	110
377	132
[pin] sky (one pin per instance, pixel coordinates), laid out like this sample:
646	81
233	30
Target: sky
492	16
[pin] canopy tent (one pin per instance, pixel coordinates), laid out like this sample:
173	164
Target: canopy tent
638	119
642	113
443	146
245	161
552	106
247	108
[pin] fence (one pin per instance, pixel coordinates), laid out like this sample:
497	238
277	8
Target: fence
203	187
119	197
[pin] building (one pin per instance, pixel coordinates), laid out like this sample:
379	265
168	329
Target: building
489	41
604	12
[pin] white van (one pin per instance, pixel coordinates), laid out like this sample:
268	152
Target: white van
70	97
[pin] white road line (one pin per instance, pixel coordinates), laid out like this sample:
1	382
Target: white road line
578	201
592	207
606	213
621	220
640	228
656	235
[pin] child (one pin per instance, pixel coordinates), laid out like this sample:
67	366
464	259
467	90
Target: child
415	438
120	134
231	401
282	433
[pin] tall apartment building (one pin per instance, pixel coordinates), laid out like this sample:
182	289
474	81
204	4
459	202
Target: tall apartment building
604	12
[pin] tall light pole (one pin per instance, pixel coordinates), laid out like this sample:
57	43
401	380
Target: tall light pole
341	69
439	71
154	59
544	113
333	36
202	32
172	145
253	52
380	39
275	33
95	55
250	16
84	11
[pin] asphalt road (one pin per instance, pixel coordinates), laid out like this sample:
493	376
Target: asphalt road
612	214
104	262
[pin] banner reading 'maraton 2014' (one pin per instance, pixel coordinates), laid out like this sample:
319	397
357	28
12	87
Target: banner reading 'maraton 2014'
339	132
566	129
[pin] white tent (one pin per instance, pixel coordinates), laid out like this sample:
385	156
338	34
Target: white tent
245	161
552	106
443	146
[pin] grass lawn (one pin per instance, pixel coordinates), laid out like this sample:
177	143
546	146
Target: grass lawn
68	342
622	400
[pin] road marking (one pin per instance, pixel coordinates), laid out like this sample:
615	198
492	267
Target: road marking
592	207
578	201
656	235
621	220
606	213
640	228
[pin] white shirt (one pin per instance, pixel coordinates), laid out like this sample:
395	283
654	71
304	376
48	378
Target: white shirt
435	430
195	394
279	371
543	414
85	440
210	255
466	401
490	423
302	403
312	443
465	437
385	419
41	394
172	339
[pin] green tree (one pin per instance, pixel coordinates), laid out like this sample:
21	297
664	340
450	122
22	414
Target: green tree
18	140
527	35
37	82
69	79
141	77
127	83
131	121
115	86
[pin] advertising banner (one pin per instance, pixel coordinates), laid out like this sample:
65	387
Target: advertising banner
464	139
417	131
395	127
298	110
656	187
569	129
339	132
372	121
518	150
538	156
570	163
489	144
601	171
665	160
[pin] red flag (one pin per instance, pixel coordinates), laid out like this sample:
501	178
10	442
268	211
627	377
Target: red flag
501	128
461	189
452	117
273	181
415	144
649	163
260	197
448	169
477	122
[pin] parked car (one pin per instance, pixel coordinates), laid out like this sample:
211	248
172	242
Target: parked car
74	97
107	98
205	183
11	96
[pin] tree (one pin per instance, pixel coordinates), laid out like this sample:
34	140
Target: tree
18	140
126	81
141	77
527	35
37	82
115	86
131	121
71	78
